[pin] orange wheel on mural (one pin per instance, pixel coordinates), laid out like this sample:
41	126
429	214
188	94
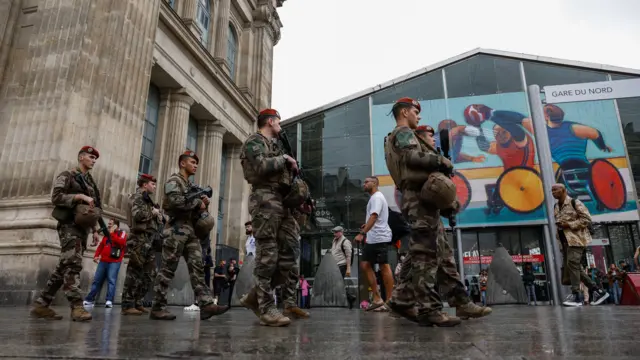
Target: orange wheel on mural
520	189
463	190
607	185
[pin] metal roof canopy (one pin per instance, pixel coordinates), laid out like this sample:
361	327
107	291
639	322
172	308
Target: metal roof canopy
458	58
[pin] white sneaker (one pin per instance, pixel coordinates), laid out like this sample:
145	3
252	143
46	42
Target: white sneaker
193	307
87	303
572	300
109	304
598	297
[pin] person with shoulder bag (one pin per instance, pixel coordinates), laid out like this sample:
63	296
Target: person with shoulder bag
109	255
574	225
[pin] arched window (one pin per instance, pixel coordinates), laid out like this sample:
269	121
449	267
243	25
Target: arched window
232	51
204	19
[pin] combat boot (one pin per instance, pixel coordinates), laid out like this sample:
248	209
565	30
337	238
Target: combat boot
40	311
273	317
142	309
78	313
409	313
438	318
471	310
251	302
161	315
131	311
295	312
212	309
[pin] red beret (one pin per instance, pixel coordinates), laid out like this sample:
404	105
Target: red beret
269	112
425	128
191	154
90	150
409	101
147	177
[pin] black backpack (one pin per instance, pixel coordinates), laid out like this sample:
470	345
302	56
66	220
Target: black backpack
344	252
399	225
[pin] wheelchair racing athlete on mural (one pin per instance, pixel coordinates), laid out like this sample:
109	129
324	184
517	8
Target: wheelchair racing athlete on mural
568	141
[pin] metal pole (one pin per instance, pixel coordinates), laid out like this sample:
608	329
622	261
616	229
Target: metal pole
458	236
554	264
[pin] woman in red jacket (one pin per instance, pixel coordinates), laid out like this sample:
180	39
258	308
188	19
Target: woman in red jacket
108	266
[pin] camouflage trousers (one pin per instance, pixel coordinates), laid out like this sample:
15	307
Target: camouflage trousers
73	242
277	252
180	240
430	263
291	285
447	279
141	270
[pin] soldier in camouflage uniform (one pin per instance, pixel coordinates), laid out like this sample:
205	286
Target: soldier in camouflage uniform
430	260
180	240
270	172
145	220
71	189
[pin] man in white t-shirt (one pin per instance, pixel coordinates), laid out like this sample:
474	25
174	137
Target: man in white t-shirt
250	245
378	239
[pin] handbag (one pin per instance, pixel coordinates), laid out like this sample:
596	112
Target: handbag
115	252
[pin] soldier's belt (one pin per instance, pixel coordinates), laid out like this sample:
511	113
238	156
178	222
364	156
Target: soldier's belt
279	189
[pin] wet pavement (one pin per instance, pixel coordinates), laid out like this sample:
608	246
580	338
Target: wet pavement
511	332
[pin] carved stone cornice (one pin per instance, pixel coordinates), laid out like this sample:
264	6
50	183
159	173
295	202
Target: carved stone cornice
266	16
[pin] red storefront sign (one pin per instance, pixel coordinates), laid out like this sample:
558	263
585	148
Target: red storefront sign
486	260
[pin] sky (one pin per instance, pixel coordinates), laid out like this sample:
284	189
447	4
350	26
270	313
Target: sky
334	48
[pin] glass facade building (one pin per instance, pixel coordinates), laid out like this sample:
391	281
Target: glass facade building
497	171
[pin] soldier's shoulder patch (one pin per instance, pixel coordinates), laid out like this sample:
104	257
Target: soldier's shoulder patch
170	186
255	146
405	138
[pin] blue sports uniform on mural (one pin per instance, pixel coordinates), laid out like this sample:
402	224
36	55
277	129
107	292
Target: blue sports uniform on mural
568	139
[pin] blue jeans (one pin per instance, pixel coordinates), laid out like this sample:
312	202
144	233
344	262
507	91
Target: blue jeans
108	271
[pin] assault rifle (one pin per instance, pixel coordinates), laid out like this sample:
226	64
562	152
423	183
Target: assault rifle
103	227
196	191
445	148
284	139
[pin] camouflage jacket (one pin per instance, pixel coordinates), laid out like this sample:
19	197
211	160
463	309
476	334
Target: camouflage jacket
578	219
175	201
263	162
140	213
66	186
409	165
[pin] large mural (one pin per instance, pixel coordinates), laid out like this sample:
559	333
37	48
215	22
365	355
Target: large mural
496	164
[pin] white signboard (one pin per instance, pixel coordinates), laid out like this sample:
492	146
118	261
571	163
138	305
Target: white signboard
592	91
599	242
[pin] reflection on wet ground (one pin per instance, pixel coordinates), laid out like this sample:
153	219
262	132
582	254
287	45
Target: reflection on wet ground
512	332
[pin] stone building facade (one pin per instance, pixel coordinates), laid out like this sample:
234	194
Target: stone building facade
139	80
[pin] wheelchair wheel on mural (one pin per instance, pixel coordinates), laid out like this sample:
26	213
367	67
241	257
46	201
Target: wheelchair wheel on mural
463	190
520	189
607	185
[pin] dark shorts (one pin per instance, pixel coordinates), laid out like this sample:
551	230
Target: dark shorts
376	253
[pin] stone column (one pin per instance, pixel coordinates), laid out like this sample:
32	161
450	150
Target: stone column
245	75
176	136
267	34
222	34
210	166
236	194
67	84
189	16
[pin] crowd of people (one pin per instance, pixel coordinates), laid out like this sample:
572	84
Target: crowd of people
278	203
